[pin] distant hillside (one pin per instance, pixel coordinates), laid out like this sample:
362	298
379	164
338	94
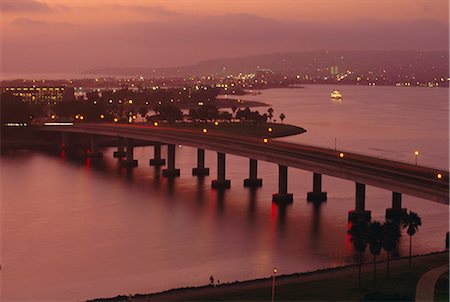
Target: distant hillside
414	64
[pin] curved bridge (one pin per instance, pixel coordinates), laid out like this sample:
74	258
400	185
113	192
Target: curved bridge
422	182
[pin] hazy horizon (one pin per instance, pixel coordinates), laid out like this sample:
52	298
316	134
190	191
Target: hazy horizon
74	36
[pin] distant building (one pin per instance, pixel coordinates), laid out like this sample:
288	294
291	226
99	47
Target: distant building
334	70
41	94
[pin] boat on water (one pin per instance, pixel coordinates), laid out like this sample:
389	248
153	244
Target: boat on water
336	95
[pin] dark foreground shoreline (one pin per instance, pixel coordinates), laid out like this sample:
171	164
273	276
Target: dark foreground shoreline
402	281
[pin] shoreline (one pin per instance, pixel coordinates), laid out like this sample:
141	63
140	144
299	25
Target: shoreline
239	288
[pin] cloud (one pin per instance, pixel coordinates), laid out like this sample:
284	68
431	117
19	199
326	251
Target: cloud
31	23
30	6
154	10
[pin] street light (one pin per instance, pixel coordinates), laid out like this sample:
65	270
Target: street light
416	154
273	283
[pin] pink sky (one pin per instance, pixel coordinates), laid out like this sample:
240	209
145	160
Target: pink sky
75	35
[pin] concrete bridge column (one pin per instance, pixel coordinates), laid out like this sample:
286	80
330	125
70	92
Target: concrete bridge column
200	170
253	181
120	148
94	149
157	161
171	171
317	195
282	196
221	182
396	212
65	141
129	161
360	201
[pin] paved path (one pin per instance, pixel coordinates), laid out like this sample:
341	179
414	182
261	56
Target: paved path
427	283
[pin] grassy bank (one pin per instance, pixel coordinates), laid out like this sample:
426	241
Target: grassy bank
337	284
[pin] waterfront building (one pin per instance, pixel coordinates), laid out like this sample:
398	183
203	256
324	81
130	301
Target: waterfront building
41	94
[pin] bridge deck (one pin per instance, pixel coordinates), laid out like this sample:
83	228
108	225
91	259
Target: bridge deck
395	176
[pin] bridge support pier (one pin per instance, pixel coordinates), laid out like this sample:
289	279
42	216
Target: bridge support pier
65	141
360	212
200	170
282	196
253	181
396	212
120	148
157	161
171	171
317	195
129	161
94	149
221	182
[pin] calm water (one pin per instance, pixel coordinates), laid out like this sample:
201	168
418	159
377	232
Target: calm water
75	229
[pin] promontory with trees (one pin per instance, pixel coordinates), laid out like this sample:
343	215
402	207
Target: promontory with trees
177	107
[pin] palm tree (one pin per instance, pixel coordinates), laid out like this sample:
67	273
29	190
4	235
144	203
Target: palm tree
282	117
412	222
375	240
358	236
391	236
270	111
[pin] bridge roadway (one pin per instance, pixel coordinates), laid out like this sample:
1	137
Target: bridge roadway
395	176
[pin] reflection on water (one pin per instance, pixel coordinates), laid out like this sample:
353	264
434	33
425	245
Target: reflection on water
99	229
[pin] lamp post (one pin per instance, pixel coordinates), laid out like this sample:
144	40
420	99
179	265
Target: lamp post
416	154
273	284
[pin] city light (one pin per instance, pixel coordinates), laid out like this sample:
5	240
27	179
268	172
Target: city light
270	129
416	155
81	117
116	120
439	176
273	283
155	124
341	154
216	123
102	116
205	130
265	140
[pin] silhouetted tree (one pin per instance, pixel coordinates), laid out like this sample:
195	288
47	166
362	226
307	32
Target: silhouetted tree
170	113
13	109
270	111
143	111
243	115
67	109
358	237
375	240
225	115
37	109
411	222
391	236
233	109
282	117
